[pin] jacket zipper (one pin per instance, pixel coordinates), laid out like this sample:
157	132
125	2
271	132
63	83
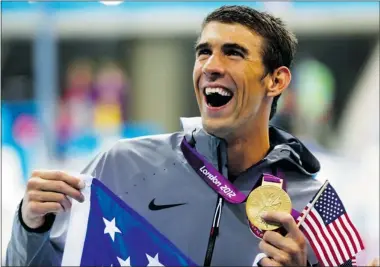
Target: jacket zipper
214	232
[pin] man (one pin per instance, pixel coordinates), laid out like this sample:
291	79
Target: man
242	66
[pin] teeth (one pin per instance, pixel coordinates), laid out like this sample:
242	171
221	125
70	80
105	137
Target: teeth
220	91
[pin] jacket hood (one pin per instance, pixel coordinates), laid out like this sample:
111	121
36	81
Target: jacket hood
290	148
284	146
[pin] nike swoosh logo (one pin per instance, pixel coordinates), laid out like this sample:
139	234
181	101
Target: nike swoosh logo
153	206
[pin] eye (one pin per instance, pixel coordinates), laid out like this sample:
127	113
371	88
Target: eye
204	51
234	53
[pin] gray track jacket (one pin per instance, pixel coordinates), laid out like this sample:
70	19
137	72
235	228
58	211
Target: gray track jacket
142	169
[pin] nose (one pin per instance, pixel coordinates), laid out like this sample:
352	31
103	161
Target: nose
214	67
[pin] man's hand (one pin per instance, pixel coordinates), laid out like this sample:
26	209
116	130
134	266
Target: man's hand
289	250
47	192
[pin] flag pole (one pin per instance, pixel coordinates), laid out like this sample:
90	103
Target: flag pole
313	202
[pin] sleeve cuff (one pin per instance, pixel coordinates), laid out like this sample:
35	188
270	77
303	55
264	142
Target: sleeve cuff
49	220
258	258
309	264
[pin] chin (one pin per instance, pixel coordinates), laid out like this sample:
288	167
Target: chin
218	128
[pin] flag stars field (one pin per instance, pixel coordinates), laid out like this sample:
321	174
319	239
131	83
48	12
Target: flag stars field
111	229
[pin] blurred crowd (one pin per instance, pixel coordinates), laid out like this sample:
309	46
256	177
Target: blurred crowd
95	99
306	106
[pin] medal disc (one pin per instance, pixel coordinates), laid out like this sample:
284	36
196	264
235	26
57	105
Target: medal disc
266	198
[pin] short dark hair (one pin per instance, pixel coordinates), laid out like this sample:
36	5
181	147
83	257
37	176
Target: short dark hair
281	44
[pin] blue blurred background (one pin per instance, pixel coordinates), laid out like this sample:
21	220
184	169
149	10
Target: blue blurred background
77	76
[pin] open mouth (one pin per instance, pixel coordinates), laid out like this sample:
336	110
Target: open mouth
217	97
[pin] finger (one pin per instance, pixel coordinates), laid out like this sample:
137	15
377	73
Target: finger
60	187
375	262
43	208
60	176
285	219
280	242
41	196
274	253
269	262
66	203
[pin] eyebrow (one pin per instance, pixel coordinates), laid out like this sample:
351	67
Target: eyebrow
200	46
206	45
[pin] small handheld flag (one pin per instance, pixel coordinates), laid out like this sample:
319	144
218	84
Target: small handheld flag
326	225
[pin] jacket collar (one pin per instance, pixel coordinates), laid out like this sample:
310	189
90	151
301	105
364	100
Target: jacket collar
285	148
206	144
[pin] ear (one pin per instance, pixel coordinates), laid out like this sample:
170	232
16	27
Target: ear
279	81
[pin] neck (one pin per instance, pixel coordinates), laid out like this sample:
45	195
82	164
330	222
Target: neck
245	151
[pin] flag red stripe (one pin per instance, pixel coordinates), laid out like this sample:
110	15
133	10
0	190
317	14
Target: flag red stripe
339	230
337	244
322	228
355	230
320	261
343	244
311	227
351	235
347	232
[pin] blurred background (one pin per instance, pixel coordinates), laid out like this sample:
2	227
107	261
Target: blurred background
77	76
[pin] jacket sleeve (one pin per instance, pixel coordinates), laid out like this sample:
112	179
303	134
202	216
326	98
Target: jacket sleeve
36	247
42	246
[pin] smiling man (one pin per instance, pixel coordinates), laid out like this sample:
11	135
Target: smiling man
238	76
192	185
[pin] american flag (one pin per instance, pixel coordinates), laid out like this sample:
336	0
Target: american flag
350	263
331	234
105	231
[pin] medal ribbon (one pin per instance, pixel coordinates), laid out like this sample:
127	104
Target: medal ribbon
216	180
211	175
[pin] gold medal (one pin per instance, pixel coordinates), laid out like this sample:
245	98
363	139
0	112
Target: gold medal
266	198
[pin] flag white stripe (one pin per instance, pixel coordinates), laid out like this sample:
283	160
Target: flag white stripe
317	227
314	241
349	228
348	242
72	254
341	243
327	233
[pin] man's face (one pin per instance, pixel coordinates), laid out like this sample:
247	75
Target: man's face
227	78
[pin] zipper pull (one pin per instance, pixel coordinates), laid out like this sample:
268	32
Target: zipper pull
217	216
